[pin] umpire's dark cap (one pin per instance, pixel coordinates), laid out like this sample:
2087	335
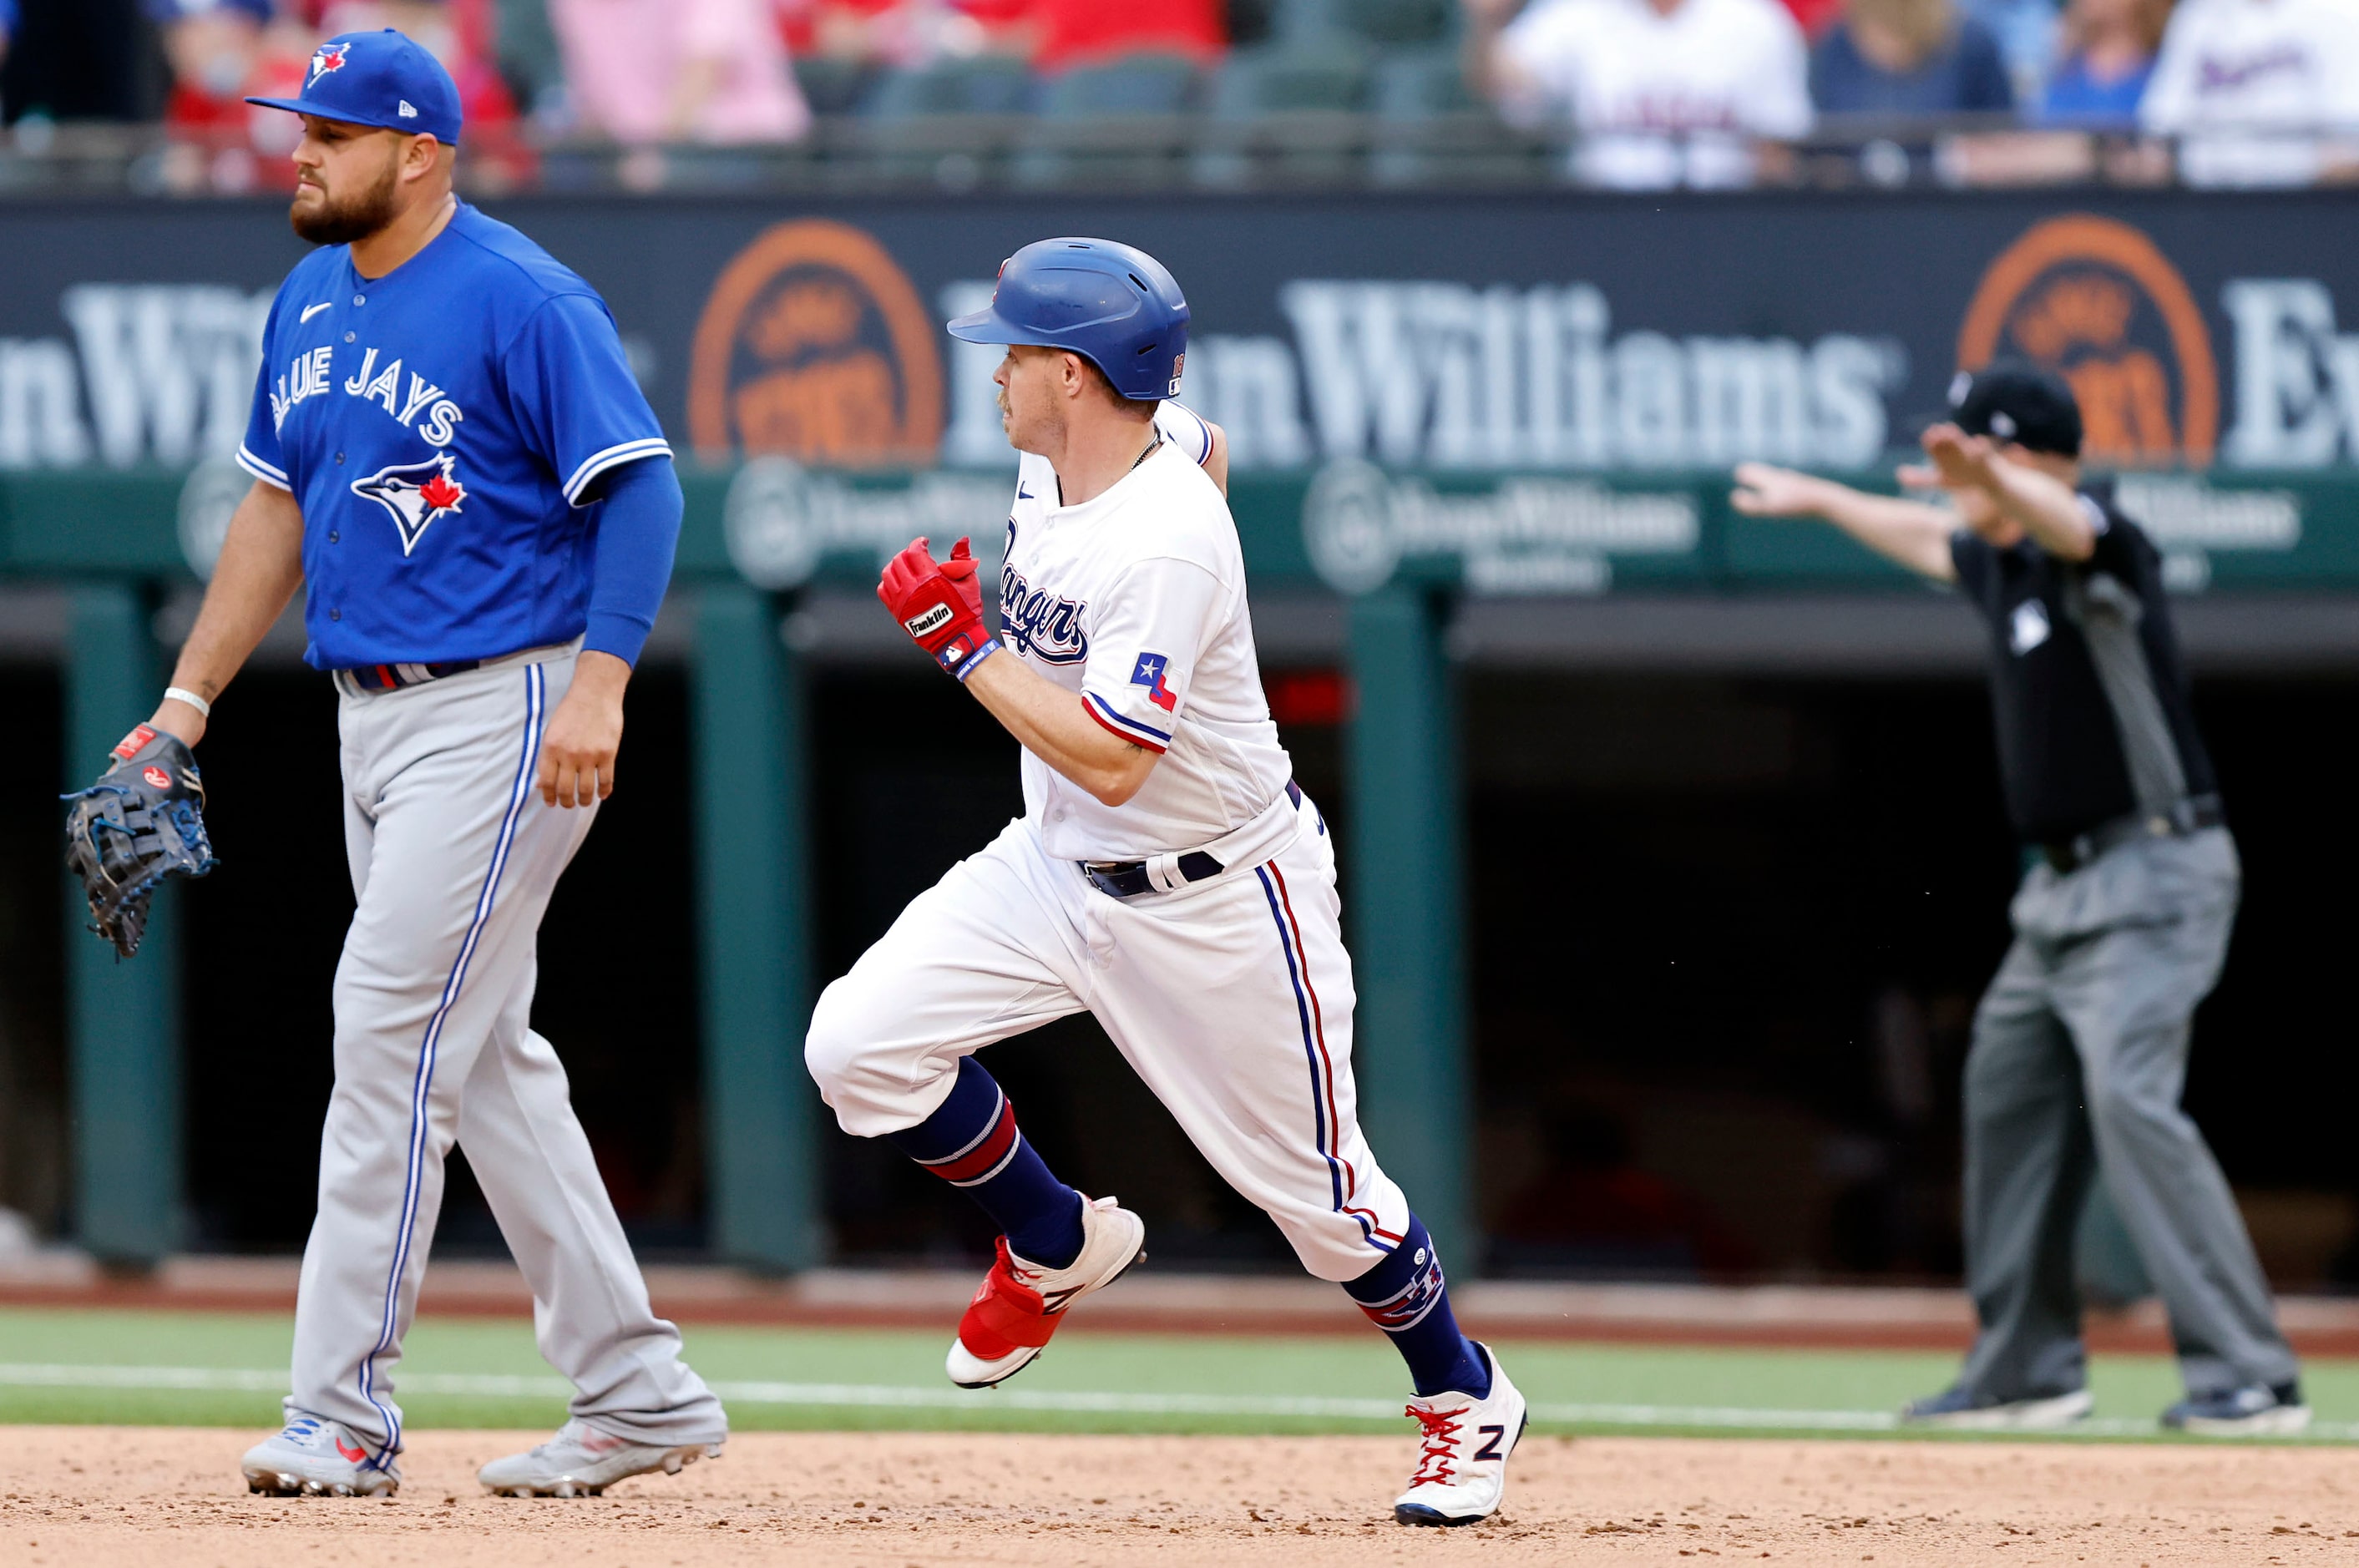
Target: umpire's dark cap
2013	401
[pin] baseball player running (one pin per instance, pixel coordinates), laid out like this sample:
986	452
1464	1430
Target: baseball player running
451	457
1167	875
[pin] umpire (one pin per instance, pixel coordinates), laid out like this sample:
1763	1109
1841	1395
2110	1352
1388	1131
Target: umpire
2080	1047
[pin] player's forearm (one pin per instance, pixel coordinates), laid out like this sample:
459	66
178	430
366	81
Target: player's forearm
260	568
1909	533
638	531
1052	723
2047	508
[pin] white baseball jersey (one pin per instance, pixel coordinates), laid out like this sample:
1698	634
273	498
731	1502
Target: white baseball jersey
2250	82
1134	602
1232	995
1666	100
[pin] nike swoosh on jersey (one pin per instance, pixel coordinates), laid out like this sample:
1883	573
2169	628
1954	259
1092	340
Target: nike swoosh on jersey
312	311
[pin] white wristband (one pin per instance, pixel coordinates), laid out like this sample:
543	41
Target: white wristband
176	694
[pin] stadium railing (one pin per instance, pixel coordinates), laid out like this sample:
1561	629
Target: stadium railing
1284	116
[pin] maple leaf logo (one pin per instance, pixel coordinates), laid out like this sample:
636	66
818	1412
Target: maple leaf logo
414	494
442	493
328	56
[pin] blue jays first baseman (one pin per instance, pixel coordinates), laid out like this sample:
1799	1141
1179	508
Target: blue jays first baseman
452	458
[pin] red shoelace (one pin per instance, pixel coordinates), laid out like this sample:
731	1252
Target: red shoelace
1440	1438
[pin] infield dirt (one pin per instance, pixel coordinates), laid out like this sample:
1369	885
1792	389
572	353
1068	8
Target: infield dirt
171	1499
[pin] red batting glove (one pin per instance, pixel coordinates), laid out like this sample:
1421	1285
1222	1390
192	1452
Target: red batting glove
940	603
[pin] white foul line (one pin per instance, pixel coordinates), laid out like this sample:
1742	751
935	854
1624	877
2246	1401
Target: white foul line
505	1386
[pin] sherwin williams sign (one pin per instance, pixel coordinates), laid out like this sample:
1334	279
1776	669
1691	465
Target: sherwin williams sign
1538	334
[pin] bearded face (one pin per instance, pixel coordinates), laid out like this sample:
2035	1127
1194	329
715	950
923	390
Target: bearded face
348	187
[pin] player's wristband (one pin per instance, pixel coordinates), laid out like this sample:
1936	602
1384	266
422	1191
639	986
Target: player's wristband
182	694
960	657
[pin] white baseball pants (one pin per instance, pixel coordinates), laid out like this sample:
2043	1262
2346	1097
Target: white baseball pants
1231	998
453	859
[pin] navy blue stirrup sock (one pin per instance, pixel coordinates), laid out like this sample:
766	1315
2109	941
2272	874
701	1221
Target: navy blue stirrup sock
1406	1297
972	1141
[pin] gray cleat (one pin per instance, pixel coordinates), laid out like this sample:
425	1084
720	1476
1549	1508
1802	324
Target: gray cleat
581	1461
316	1457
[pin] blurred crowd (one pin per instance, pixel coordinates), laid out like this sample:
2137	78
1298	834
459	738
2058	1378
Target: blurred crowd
1670	92
1659	91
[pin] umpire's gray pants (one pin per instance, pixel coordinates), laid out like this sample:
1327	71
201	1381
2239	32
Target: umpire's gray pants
454	860
2079	1058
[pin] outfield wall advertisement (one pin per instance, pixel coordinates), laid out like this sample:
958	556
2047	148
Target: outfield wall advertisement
1539	333
1543	350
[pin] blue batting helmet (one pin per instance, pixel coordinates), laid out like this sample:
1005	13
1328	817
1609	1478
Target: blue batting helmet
1111	304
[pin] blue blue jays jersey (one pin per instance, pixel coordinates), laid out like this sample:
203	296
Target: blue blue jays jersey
441	427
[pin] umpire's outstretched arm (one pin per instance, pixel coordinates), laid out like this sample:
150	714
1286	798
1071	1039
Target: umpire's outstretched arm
1912	533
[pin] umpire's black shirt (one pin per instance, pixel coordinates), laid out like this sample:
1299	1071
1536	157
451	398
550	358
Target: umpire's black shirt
2087	685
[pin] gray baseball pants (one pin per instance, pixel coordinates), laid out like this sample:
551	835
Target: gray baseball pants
453	859
2079	1058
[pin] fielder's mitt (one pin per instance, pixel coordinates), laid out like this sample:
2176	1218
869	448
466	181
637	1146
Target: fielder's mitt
142	821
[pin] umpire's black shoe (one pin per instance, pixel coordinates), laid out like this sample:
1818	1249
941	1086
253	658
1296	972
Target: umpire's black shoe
1959	1411
2251	1411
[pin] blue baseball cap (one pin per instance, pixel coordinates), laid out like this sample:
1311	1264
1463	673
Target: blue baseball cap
1111	304
378	79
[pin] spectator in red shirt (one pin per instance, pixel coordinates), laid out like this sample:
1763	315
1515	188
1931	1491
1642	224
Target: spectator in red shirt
211	46
1056	34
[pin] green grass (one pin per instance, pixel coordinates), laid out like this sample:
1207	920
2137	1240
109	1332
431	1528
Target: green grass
838	1380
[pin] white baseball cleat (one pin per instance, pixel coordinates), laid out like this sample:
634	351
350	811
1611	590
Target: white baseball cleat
1461	1463
581	1461
314	1456
1020	1304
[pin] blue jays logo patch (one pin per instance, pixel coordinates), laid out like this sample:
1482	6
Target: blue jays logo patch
325	59
414	494
1151	669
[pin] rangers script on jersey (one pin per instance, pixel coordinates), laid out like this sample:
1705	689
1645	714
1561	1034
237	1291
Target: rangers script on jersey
1135	602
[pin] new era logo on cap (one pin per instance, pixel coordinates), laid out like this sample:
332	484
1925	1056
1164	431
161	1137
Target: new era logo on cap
407	110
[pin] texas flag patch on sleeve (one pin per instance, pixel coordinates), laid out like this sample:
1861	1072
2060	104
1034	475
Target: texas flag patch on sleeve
1151	669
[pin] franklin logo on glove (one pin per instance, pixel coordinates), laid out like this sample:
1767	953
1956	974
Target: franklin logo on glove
940	603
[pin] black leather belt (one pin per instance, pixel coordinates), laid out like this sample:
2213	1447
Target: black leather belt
393	676
2193	814
1128	878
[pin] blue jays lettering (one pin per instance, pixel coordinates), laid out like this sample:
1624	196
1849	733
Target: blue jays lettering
421	406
